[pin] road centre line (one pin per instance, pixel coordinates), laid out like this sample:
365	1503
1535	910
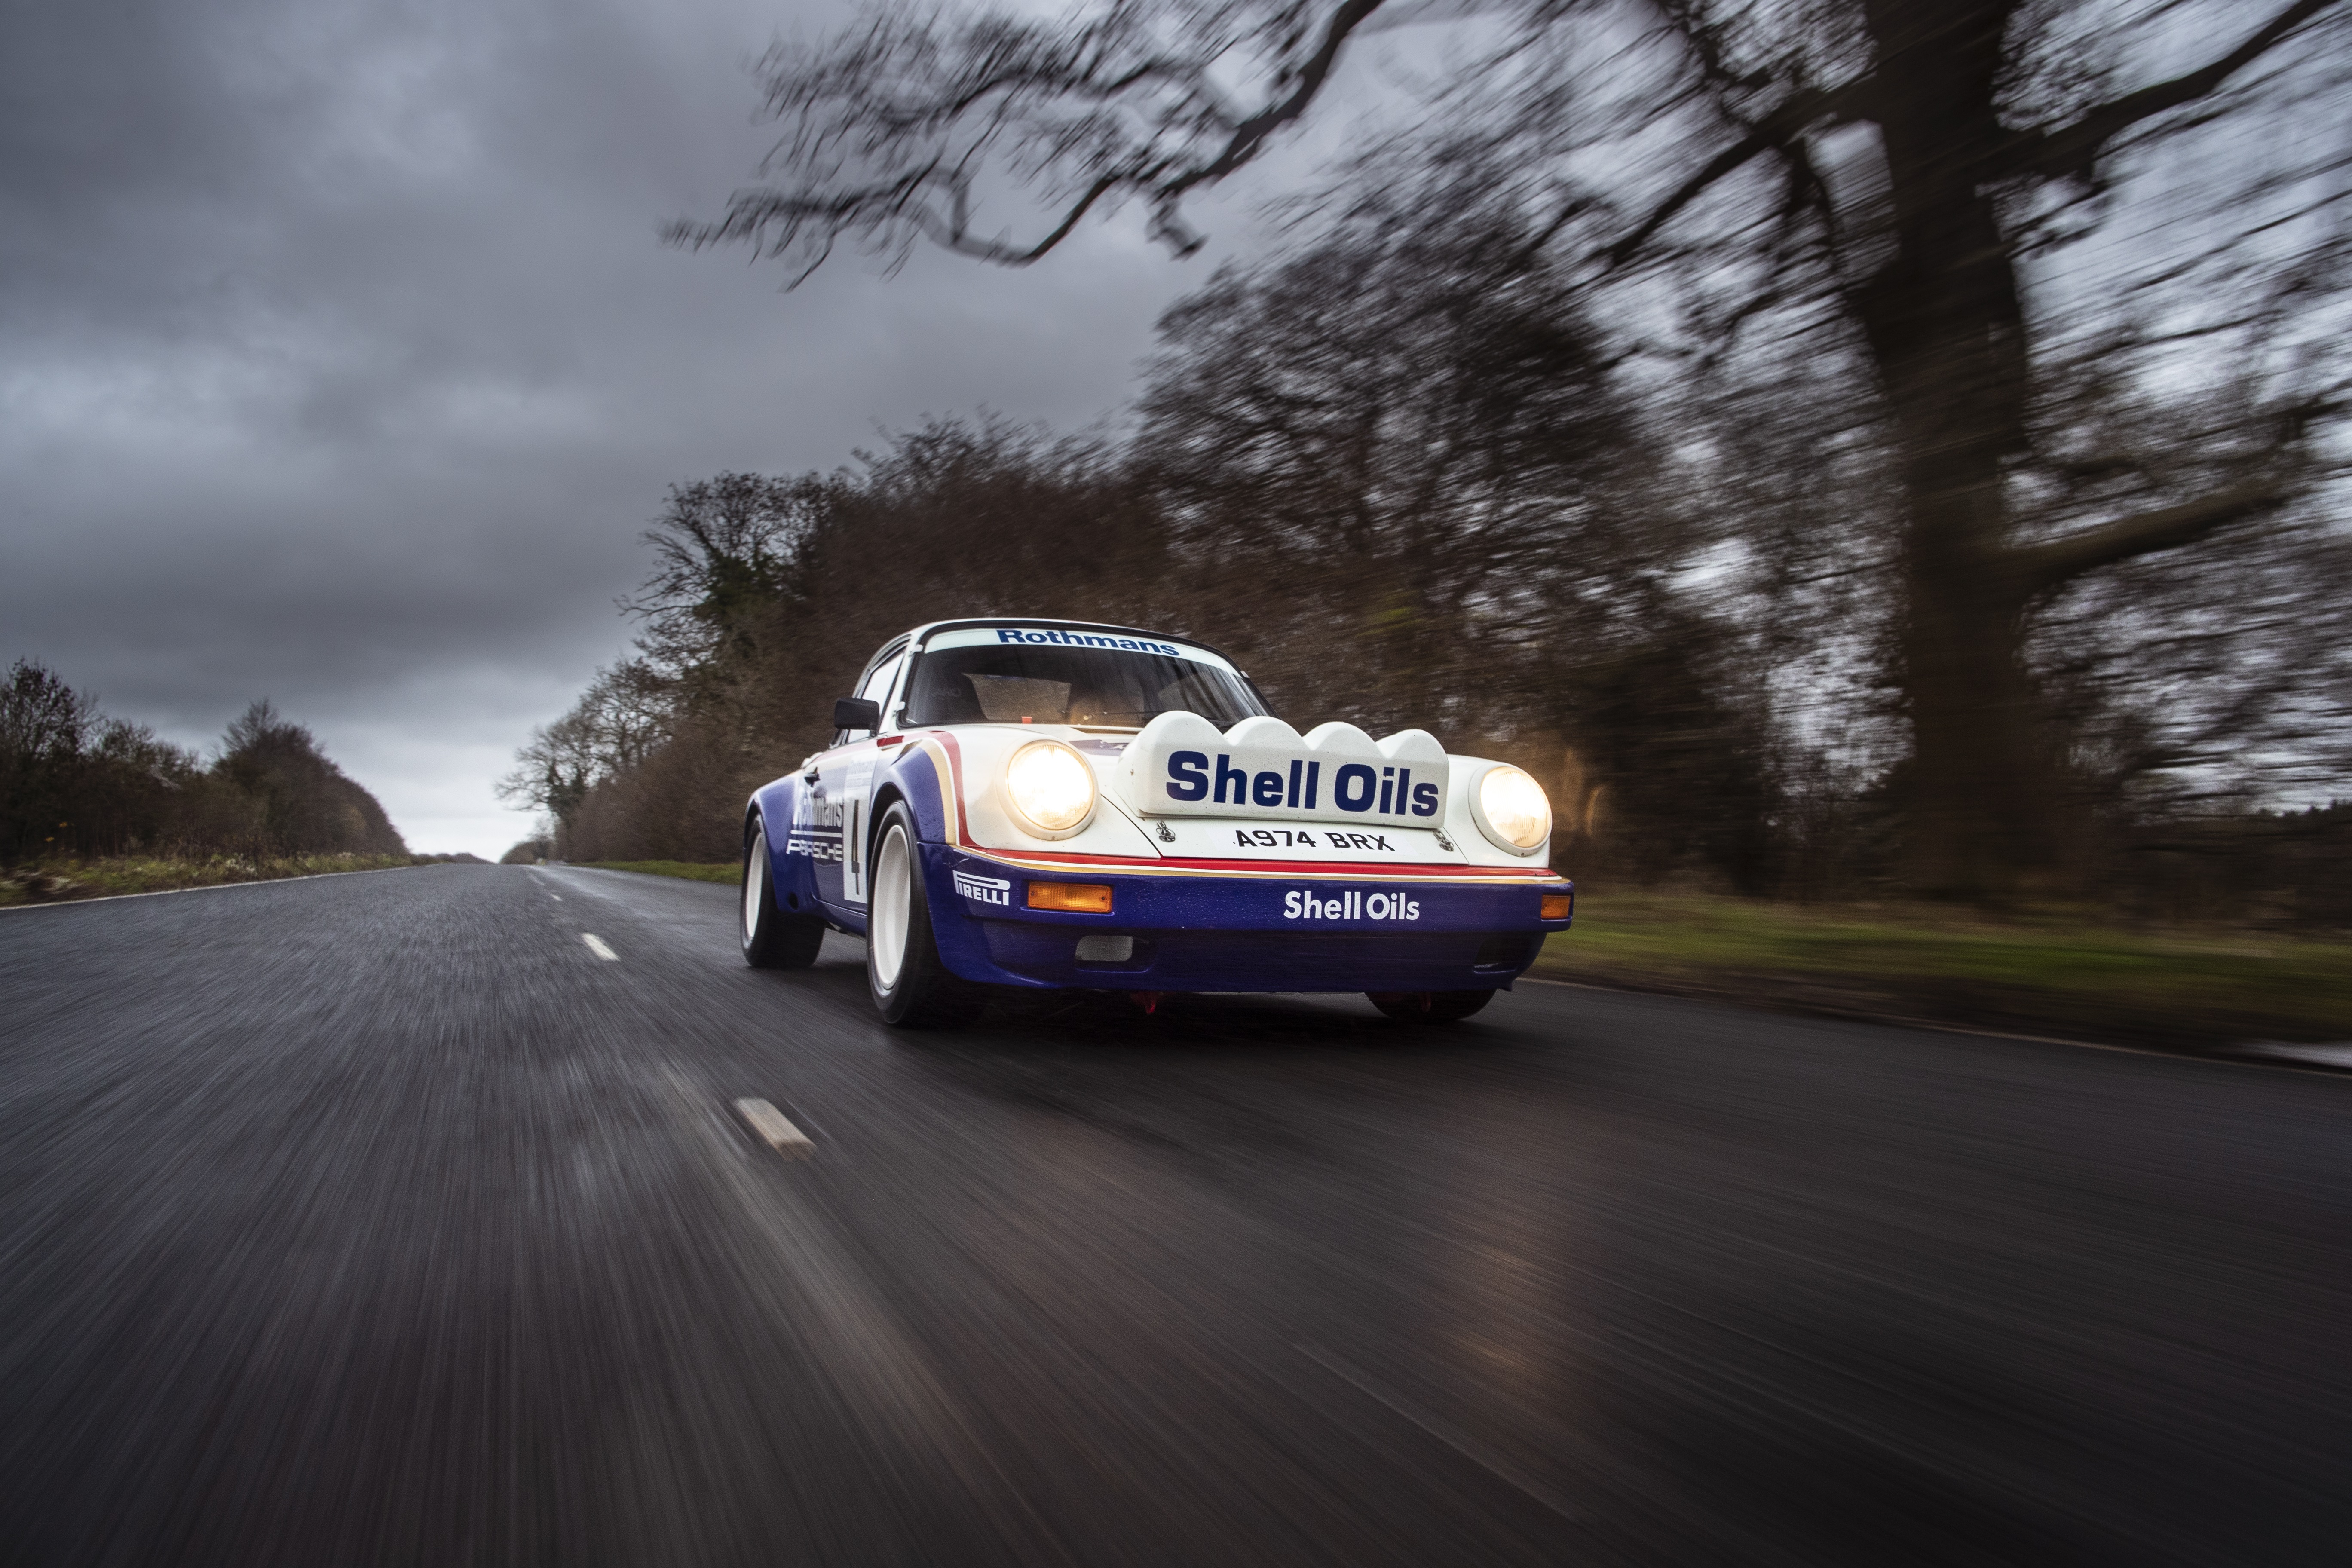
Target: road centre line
596	945
776	1128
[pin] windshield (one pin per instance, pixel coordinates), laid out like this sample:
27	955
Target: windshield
1108	687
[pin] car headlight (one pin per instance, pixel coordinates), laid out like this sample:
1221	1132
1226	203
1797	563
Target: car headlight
1050	788
1512	810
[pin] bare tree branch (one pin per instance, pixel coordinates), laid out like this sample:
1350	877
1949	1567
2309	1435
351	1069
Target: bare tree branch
1250	134
1775	132
954	236
2072	150
2053	565
888	128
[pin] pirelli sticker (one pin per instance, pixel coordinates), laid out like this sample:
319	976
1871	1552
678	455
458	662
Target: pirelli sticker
983	889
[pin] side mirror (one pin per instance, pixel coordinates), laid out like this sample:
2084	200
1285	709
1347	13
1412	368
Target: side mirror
857	714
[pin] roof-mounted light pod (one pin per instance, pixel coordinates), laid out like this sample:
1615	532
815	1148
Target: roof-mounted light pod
1510	809
1049	788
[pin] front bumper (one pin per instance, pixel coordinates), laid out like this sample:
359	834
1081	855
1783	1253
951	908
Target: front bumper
1240	933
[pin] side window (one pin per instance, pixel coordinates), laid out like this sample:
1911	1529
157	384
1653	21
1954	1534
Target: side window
876	687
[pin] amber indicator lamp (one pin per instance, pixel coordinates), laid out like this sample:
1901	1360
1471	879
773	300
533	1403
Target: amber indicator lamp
1076	898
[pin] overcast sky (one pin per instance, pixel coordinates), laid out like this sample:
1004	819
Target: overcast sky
339	362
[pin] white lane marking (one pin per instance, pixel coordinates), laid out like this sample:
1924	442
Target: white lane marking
852	1330
557	897
208	888
773	1125
2334	1056
596	945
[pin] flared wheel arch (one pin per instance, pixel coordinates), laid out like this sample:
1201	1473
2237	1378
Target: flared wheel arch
771	937
922	992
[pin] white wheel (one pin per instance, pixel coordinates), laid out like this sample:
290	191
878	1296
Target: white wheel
911	987
755	886
886	916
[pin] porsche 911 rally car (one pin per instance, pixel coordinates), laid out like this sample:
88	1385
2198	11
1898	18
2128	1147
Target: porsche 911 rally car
1041	805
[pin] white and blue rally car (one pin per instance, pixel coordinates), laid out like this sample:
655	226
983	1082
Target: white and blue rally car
1057	805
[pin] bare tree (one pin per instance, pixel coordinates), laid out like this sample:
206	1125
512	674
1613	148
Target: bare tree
305	803
627	711
721	547
1893	176
1405	442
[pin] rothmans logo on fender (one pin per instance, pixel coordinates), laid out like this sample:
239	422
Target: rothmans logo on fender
987	890
1350	905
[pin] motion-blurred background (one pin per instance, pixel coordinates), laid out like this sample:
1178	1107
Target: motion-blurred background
1838	447
1881	453
1870	453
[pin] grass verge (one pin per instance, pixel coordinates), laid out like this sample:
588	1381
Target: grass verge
694	871
59	881
2054	975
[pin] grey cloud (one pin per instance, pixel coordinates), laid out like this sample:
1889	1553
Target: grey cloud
339	359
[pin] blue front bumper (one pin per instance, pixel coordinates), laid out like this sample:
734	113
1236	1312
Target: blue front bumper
1239	934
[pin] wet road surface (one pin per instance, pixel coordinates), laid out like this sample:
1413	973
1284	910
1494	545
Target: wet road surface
381	1219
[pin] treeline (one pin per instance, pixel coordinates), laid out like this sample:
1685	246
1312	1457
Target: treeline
530	852
75	783
1404	476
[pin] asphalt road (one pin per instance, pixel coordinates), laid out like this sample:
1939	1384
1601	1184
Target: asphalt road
377	1219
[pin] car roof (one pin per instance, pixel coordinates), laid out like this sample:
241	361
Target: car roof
898	645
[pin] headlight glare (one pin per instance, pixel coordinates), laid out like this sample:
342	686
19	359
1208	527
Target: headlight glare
1050	788
1512	810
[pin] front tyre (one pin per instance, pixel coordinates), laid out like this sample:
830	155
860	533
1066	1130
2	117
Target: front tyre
910	986
772	939
1429	1007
